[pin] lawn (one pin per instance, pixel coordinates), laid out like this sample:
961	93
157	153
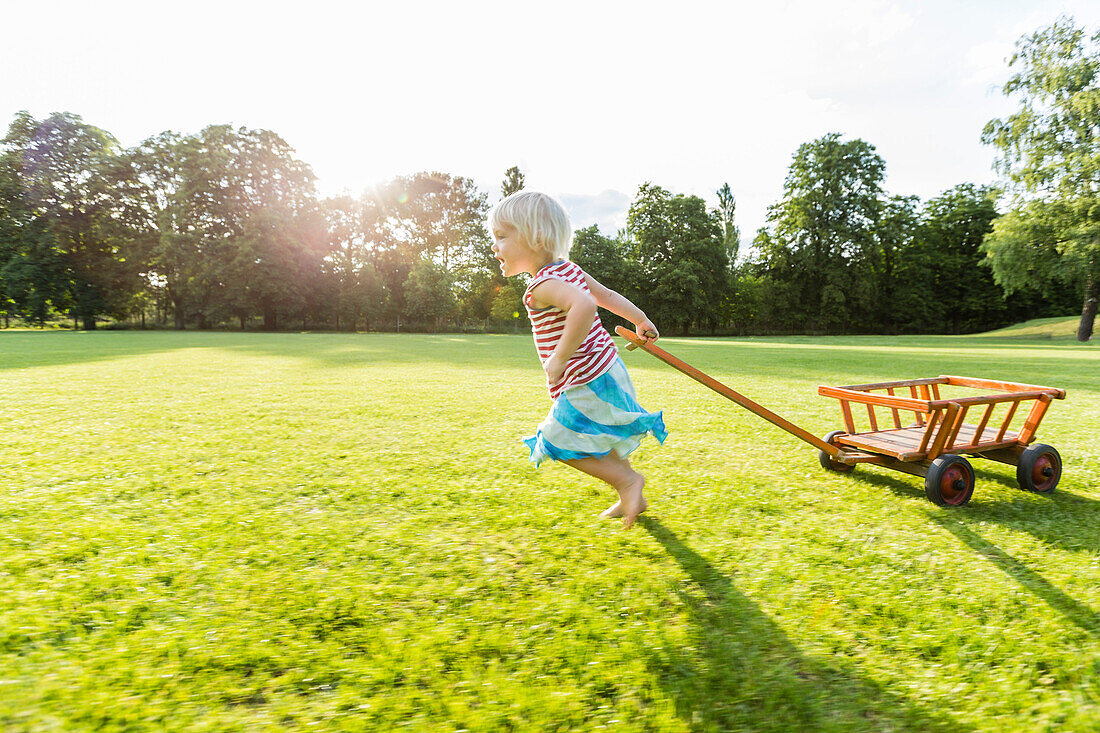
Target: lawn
225	531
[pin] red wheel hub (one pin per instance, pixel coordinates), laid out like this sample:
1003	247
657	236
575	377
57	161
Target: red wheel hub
953	484
1044	472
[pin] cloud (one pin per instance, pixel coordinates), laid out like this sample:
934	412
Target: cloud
606	209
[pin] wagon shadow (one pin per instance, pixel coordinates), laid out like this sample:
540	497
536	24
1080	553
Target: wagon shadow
1061	518
1028	513
1073	610
743	673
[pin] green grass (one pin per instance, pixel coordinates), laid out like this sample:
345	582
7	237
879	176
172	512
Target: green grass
212	531
1059	328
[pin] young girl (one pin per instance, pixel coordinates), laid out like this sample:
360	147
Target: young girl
595	421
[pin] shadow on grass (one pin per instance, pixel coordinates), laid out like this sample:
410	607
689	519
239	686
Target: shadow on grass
744	673
1074	611
30	349
1060	518
1044	517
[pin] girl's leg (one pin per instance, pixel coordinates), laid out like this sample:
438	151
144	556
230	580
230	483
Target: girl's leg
627	482
616	510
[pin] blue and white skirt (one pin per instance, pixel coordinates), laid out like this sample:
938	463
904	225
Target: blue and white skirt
594	419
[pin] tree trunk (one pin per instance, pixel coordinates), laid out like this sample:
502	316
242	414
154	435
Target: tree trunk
177	311
242	322
1088	313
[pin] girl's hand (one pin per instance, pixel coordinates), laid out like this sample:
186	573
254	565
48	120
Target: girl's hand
555	367
646	330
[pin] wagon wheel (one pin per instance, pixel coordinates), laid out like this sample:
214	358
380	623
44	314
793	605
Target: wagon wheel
827	461
949	481
1039	469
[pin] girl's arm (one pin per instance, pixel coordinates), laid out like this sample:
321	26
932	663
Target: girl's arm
624	308
579	308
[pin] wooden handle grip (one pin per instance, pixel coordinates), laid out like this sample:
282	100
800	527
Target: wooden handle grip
634	341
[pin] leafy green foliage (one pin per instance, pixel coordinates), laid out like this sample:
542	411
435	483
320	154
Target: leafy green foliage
513	182
1050	154
349	273
821	244
430	293
209	550
32	269
224	227
727	211
439	217
605	260
59	205
949	238
682	267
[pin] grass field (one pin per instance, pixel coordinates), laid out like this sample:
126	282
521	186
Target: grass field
1058	329
215	531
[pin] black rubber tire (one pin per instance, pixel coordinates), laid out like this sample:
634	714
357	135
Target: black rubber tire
827	461
1039	469
949	481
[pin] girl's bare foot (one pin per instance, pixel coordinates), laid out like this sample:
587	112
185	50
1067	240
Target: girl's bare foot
613	511
632	501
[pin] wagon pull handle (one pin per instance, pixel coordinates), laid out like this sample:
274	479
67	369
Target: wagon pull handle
633	343
727	392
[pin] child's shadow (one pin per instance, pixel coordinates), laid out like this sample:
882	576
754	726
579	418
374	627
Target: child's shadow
743	672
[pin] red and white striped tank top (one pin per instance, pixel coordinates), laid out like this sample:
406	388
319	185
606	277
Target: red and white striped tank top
597	353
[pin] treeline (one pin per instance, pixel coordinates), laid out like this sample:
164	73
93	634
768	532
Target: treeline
224	228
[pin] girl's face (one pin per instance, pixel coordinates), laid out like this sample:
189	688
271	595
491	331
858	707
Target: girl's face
513	252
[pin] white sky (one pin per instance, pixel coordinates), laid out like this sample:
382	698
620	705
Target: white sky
589	98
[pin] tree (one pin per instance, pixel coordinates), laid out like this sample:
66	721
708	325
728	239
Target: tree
32	269
1050	155
507	304
183	180
513	182
354	286
66	174
727	208
949	238
819	251
230	222
279	244
439	217
603	259
682	267
900	282
429	294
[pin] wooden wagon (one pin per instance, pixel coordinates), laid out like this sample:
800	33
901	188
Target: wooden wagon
916	427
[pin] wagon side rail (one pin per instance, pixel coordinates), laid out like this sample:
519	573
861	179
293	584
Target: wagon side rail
942	421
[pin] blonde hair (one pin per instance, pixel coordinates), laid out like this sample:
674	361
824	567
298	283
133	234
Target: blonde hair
539	219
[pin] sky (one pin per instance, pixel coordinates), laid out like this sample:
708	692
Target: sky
590	99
